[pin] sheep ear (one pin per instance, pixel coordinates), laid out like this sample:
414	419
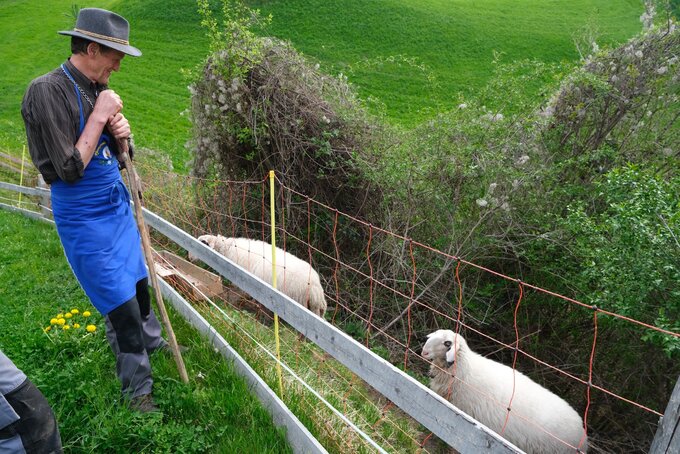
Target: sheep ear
450	354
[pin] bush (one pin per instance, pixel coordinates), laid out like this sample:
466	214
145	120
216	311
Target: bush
258	105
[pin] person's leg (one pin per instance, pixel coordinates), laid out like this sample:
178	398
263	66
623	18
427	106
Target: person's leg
151	328
36	431
124	333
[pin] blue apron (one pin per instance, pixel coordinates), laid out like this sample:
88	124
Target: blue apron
97	229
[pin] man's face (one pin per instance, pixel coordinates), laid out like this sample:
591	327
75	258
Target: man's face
104	63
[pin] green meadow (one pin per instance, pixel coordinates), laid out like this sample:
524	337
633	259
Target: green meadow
75	370
442	49
409	58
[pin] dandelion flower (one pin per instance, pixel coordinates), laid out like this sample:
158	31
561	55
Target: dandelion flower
53	321
86	314
76	325
91	328
60	315
68	315
65	327
75	311
61	321
47	328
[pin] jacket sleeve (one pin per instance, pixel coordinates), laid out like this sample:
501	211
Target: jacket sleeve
51	131
10	378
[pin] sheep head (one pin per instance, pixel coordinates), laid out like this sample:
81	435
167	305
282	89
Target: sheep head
208	240
441	347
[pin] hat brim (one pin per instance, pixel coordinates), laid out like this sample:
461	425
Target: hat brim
126	49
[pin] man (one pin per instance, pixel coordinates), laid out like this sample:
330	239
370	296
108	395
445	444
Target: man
27	423
75	130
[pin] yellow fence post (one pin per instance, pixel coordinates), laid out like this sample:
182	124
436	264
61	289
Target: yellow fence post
272	204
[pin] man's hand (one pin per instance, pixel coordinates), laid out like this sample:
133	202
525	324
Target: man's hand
119	126
108	105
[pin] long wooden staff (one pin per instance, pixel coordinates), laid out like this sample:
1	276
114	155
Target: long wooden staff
146	245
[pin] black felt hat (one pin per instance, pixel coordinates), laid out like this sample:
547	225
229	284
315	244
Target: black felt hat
104	27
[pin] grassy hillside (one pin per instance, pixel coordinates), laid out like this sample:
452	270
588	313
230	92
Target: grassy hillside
153	87
75	370
442	47
454	41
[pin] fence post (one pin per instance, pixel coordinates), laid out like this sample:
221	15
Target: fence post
45	200
667	438
272	209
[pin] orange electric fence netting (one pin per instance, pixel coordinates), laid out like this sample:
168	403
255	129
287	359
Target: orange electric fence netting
388	292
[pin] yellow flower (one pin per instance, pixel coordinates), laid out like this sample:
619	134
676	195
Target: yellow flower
60	321
86	314
76	325
47	328
53	321
65	327
90	328
60	315
75	311
68	315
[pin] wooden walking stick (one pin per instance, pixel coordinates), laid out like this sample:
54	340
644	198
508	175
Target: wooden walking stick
146	245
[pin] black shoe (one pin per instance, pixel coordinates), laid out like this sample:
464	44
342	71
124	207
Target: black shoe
143	404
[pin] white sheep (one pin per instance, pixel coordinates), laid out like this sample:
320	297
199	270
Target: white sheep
294	277
539	422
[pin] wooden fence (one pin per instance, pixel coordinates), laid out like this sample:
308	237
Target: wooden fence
435	413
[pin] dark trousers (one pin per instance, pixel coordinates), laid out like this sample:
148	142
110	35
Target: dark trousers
36	431
133	332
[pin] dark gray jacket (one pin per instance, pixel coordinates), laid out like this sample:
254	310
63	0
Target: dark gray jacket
10	379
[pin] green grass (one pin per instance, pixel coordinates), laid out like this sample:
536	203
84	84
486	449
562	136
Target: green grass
453	40
215	412
152	87
387	426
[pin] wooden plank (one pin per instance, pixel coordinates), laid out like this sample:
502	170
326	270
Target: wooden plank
14	159
206	282
27	213
162	270
24	189
190	279
300	439
11	168
667	438
45	198
456	428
